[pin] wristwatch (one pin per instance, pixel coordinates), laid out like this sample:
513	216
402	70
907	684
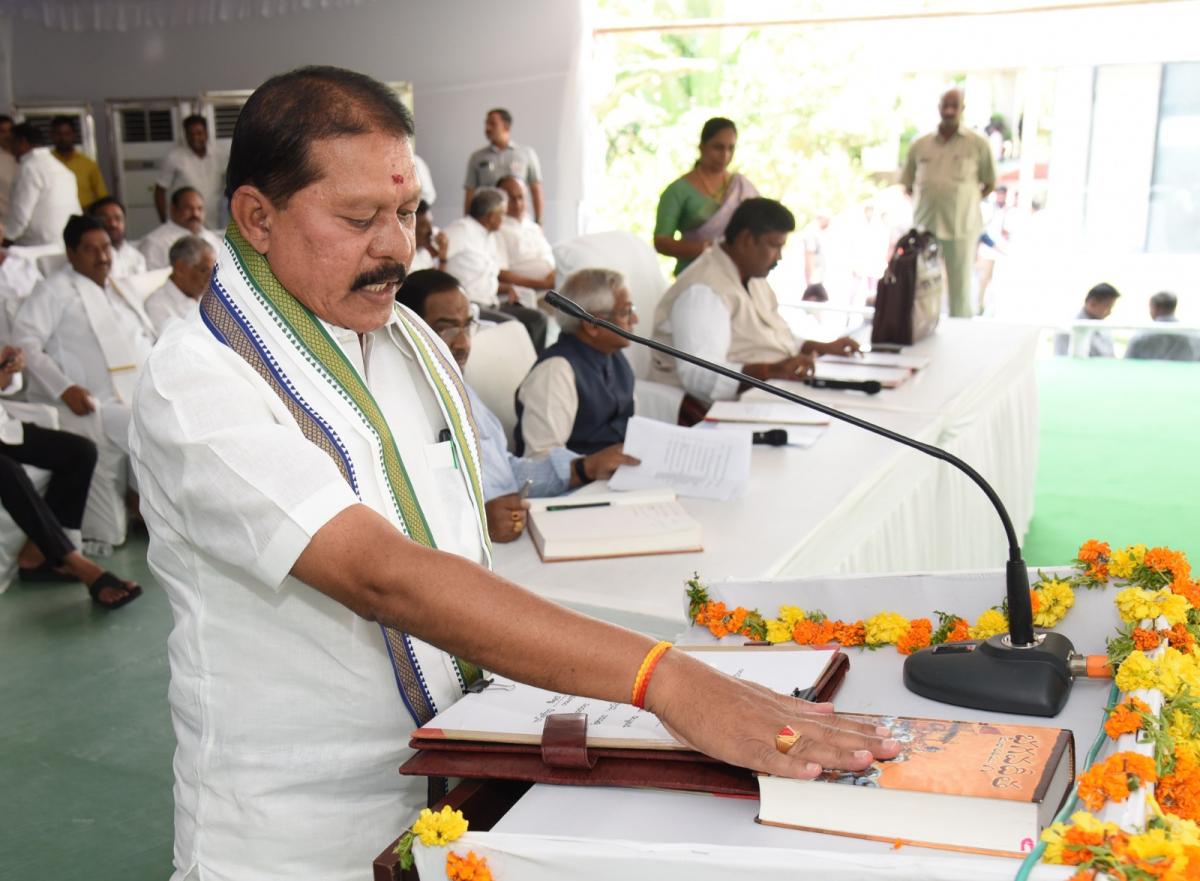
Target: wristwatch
580	472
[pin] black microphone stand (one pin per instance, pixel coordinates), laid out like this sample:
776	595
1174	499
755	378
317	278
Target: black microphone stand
1017	672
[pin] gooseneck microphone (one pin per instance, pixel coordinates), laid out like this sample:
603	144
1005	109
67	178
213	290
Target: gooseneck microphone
870	386
1018	672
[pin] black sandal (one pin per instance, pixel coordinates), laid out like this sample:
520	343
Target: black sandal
44	573
107	579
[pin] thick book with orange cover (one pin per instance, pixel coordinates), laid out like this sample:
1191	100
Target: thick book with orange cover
972	786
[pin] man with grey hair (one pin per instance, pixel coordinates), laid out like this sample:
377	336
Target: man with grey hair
192	261
473	257
1166	345
579	394
951	171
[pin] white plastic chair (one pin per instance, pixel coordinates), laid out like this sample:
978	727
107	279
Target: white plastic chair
501	356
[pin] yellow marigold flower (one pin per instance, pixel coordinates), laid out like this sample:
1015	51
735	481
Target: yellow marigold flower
789	615
779	631
1090	824
1173	606
1136	672
886	628
1136	604
441	828
1184	831
990	623
1154	844
1052	835
1056	598
1122	563
1175	670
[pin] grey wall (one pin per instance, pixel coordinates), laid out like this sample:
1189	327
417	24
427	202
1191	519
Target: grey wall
461	56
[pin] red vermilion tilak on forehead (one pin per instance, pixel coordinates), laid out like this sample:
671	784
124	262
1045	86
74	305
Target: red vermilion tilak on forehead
397	179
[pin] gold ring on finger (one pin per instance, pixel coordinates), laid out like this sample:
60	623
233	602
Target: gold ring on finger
786	738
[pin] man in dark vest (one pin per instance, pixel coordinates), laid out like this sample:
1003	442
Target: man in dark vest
579	394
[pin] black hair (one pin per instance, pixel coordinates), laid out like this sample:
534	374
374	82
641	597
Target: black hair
421	285
77	226
503	114
289	112
180	193
715	126
1103	291
759	216
194	119
1165	302
816	293
27	131
62	120
102	202
4	117
422	208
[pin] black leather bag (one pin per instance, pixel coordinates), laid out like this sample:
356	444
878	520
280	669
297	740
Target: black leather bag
908	299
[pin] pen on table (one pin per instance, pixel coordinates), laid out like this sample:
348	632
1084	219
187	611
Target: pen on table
583	505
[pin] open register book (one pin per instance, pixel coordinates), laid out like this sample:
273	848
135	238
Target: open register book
615	524
498	733
970	786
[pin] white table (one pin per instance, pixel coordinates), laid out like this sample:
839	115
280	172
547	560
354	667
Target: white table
599	833
854	502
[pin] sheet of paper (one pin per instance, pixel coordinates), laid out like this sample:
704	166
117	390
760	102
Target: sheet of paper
704	464
509	708
802	436
889	377
774	412
615	521
881	359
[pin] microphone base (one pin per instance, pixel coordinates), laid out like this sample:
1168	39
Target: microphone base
992	675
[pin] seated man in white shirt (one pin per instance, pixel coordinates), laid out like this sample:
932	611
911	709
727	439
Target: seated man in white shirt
1098	304
18	277
473	258
525	253
44	194
192	262
85	343
722	309
579	394
439	300
430	252
1166	345
127	260
187	219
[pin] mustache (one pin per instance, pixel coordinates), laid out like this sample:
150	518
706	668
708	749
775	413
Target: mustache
386	274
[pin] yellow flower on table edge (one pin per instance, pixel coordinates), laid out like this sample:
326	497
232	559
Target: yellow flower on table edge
1054	834
1136	604
1122	563
1056	598
1156	844
886	628
778	631
441	828
990	623
789	615
1137	672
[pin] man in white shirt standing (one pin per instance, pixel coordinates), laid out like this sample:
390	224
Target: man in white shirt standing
126	259
722	308
526	258
44	193
85	343
473	257
323	545
195	164
192	262
187	219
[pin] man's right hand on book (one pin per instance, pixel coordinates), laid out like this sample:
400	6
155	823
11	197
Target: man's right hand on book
737	722
506	517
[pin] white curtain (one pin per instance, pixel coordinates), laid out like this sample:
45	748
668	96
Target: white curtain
128	15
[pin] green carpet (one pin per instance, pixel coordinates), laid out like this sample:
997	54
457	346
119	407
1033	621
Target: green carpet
1119	457
85	734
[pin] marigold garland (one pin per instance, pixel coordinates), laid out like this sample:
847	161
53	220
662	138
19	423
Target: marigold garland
469	868
1114	778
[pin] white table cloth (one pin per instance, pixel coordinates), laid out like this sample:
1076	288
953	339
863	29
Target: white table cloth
854	502
583	833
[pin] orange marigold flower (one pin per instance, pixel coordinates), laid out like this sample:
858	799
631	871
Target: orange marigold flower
1187	588
961	631
808	632
1083	875
472	867
1179	792
849	634
1145	639
1092	551
1114	778
1034	602
1167	560
920	630
1125	718
1179	637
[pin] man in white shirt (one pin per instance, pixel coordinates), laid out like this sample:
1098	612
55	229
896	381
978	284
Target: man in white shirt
526	258
187	219
127	260
431	245
721	308
473	257
196	164
295	502
192	262
85	343
8	166
44	193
